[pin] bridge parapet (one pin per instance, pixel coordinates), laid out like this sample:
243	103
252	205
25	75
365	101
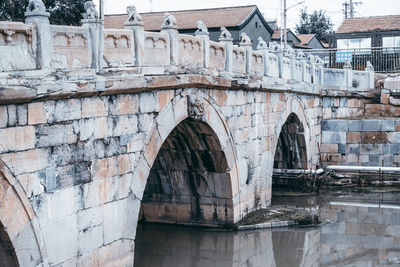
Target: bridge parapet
78	48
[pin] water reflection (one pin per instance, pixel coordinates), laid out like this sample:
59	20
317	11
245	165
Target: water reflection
365	231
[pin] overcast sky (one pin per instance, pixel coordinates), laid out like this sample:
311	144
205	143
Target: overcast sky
270	8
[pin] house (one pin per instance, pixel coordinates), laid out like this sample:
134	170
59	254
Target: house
240	19
311	41
292	39
367	32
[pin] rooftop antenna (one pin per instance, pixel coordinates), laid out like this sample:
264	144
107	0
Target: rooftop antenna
151	5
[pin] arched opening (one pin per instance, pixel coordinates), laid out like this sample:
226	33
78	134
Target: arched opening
290	154
188	182
7	252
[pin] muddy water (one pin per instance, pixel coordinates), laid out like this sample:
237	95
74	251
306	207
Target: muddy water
364	230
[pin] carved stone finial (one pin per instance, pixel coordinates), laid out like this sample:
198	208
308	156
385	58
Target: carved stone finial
134	18
289	52
318	60
195	107
310	57
91	12
169	22
262	45
301	55
369	66
275	47
244	39
347	65
201	28
225	35
35	8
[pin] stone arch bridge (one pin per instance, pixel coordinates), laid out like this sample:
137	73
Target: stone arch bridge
168	128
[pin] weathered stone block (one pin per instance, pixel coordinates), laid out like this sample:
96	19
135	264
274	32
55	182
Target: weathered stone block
148	103
124	104
105	168
353	148
335	125
12	115
56	232
374	158
36	113
371	125
55	135
387	125
90	239
333	137
370	149
355	126
124	125
93	128
329	148
353	137
27	161
66	110
22	112
342	149
94	107
31	184
394	137
3	116
374	138
17	138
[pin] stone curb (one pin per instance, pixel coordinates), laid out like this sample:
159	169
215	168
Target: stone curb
266	225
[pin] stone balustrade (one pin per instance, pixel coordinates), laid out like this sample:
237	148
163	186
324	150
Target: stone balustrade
69	47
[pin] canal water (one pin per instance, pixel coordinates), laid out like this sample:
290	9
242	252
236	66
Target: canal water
360	229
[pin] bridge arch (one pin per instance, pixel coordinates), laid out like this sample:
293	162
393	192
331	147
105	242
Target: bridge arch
294	112
192	108
21	240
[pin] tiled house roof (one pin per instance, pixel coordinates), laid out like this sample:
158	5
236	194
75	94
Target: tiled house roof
305	38
369	24
187	19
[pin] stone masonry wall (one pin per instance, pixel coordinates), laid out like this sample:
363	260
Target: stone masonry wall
82	163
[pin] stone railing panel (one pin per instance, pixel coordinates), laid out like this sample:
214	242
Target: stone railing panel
239	60
217	55
360	79
298	70
257	63
334	77
190	50
156	49
17	46
286	68
273	65
119	47
307	72
70	47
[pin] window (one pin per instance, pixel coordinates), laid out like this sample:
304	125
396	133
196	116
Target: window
256	24
391	41
358	43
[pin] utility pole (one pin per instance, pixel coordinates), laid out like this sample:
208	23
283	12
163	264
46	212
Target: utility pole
349	8
285	9
346	11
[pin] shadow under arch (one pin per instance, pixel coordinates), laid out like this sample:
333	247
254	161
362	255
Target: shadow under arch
19	228
292	148
201	116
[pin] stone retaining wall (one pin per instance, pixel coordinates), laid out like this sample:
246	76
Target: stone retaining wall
361	142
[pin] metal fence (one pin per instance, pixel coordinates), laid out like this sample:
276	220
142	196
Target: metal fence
384	59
